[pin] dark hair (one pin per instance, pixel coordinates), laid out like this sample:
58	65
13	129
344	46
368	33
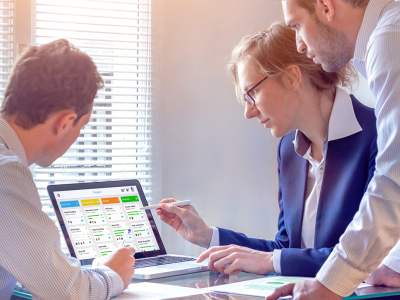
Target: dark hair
274	50
47	79
309	5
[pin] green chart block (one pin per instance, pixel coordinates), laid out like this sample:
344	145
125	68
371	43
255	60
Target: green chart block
129	199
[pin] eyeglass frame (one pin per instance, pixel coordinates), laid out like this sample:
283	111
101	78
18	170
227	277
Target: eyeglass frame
250	100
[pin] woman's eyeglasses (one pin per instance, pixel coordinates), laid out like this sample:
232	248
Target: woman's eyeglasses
247	97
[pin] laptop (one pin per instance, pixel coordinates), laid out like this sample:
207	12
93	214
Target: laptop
95	218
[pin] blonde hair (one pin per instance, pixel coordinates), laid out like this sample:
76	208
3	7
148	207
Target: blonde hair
274	50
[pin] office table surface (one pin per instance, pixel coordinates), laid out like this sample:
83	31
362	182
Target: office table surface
207	279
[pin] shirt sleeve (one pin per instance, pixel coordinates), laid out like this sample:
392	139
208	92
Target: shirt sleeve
116	280
393	259
277	260
214	238
375	227
30	246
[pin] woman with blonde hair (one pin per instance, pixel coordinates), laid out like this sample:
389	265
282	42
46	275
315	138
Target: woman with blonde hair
326	158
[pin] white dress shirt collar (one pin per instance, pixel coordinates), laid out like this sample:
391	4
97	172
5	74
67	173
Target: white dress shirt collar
12	141
368	25
342	123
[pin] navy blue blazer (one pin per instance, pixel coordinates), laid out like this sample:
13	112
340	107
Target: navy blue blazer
349	167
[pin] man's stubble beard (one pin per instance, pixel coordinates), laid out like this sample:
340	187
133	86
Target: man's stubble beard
334	49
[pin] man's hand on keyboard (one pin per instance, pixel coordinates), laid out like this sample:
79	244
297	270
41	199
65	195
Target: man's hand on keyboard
186	221
121	261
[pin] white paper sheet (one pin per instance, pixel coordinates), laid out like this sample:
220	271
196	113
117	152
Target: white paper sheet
261	287
156	291
362	285
257	287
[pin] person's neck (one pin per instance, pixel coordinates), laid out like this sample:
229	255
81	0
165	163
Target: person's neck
31	140
348	20
316	120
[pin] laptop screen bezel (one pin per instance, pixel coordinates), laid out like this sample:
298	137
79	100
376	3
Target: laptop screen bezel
52	189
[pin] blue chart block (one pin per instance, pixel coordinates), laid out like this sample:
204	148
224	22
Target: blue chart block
66	204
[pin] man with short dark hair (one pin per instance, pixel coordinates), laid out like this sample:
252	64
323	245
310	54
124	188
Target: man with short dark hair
332	32
49	98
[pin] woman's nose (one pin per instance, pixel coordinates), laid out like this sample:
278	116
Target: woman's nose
250	111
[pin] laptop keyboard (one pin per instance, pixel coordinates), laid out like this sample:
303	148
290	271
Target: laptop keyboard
160	260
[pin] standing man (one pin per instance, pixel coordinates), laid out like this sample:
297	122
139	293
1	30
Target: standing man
332	32
49	98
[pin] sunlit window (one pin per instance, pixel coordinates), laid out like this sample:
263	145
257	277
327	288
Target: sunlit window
116	144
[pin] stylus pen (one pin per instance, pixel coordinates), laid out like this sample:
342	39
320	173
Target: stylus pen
125	237
180	203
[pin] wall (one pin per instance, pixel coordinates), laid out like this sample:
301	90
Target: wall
210	153
205	149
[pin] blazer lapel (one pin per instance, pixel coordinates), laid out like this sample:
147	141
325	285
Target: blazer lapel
296	170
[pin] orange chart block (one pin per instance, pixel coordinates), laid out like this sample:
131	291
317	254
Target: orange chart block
111	200
89	202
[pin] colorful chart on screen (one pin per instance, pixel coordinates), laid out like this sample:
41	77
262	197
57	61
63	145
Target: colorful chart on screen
98	220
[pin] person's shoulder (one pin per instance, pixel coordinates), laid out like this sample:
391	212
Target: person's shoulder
365	115
362	108
289	138
287	141
387	26
16	181
390	16
9	158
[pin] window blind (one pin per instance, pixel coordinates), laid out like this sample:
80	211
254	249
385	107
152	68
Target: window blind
116	143
6	43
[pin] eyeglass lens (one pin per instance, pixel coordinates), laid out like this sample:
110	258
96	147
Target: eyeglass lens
248	99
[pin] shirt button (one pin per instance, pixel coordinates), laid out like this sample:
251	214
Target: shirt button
321	170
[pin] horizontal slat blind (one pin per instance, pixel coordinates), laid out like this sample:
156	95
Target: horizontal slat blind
6	43
116	143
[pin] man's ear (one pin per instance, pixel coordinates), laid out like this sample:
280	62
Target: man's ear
293	77
325	9
62	121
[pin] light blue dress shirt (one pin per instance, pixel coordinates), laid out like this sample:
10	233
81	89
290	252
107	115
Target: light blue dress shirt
30	241
376	226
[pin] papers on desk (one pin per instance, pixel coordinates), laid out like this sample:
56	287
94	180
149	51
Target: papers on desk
261	287
156	291
363	285
257	287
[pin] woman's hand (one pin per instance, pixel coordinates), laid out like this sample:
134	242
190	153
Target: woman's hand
186	222
233	259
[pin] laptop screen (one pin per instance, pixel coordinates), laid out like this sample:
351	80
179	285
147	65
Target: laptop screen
97	220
